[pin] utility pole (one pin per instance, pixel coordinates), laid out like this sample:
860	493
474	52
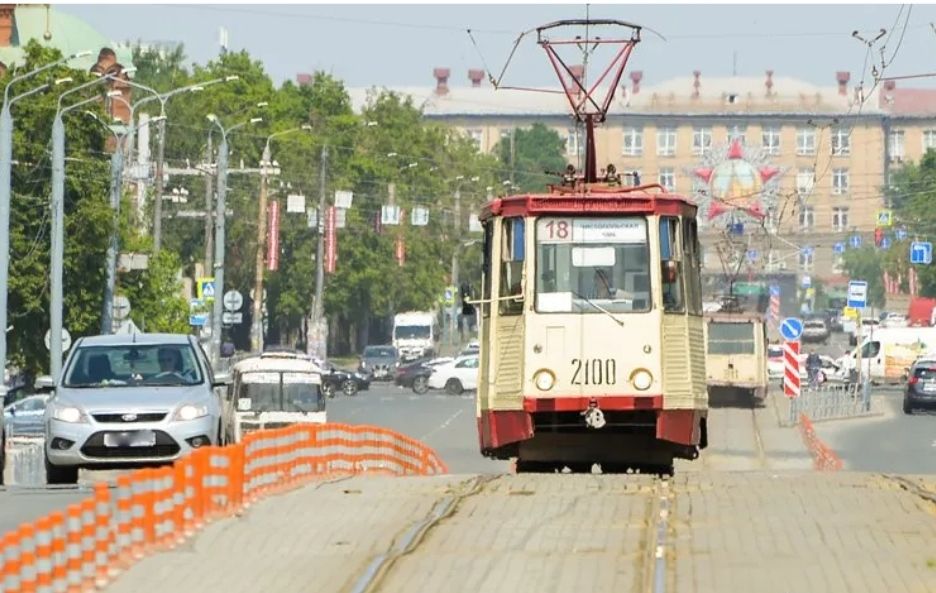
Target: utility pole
58	246
157	205
453	324
319	305
217	310
208	218
107	321
256	341
513	155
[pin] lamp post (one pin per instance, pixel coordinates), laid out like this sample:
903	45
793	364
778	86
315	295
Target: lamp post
58	223
6	164
161	150
219	232
266	168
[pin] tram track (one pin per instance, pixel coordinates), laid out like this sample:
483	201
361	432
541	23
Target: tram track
411	538
652	567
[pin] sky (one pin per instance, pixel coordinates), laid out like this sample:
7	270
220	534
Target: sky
399	45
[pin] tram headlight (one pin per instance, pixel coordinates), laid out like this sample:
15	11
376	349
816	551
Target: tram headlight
641	379
544	379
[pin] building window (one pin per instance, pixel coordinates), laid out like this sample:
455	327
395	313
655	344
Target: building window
807	218
896	145
633	142
737	132
572	142
929	139
805	141
839	181
805	178
772	220
838	263
476	134
668	178
701	141
771	140
805	260
666	142
841	141
839	218
773	260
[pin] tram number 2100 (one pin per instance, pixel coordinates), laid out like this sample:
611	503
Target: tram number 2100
595	371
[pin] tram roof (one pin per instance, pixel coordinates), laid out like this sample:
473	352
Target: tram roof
592	200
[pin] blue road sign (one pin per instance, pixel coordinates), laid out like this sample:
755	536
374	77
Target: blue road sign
791	329
752	255
901	234
198	320
855	241
808	251
736	228
921	252
885	242
775	290
857	294
838	248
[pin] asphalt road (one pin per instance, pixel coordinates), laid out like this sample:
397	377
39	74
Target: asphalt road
444	422
892	443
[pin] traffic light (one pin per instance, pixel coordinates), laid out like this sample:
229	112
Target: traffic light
878	237
465	290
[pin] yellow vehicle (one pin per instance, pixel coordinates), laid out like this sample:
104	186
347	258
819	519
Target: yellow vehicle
736	354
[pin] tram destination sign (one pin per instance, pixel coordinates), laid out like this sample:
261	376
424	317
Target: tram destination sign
591	230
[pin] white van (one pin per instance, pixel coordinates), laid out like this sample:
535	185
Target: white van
887	352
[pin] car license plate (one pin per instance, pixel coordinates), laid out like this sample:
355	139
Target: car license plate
929	387
136	438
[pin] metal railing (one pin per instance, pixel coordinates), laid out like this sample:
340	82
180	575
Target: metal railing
831	401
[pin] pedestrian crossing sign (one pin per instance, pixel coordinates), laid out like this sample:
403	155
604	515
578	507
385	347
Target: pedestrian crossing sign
205	289
885	218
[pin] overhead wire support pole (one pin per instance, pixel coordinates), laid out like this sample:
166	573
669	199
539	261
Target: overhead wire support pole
6	165
319	305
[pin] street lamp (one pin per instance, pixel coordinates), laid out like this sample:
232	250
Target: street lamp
256	326
58	222
161	150
219	231
6	164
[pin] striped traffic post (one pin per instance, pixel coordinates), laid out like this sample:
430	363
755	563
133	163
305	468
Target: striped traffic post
774	304
791	329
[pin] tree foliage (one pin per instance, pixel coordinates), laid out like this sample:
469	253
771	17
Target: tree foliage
536	150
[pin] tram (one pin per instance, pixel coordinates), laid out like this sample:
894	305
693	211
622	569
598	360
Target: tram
736	355
590	323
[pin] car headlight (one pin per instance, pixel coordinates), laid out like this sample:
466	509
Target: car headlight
641	379
190	412
544	379
69	414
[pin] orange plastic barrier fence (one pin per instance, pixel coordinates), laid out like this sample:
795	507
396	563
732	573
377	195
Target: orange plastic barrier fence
87	545
824	458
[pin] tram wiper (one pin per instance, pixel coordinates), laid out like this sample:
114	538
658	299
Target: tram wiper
600	308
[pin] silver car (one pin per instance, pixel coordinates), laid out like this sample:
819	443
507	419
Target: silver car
130	400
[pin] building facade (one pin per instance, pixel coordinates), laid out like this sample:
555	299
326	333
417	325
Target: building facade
788	175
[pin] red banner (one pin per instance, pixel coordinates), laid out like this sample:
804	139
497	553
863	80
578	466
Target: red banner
331	240
273	228
400	251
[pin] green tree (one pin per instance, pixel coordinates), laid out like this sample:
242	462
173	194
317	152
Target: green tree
912	193
868	264
537	149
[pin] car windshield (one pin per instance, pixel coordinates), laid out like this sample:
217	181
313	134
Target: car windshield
590	265
774	351
411	332
134	364
279	392
380	352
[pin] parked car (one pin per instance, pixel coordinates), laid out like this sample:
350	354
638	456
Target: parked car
834	319
815	330
25	417
920	391
895	320
456	376
416	375
775	361
335	380
138	399
380	362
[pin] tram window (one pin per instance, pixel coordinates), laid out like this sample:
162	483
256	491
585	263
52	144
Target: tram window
692	266
511	272
730	338
586	263
672	266
486	269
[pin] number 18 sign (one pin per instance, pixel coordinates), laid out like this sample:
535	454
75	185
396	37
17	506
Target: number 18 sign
591	230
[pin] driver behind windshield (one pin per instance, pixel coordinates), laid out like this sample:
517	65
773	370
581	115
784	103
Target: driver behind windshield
170	362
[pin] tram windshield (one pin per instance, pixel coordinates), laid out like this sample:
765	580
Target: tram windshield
730	338
586	265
